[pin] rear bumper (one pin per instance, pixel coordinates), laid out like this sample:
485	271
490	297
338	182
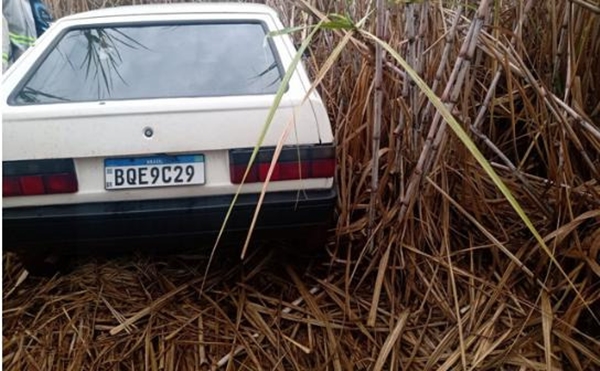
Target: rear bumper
52	225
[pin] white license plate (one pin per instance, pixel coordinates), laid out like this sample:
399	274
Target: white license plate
153	171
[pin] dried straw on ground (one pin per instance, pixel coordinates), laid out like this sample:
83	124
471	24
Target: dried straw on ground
453	279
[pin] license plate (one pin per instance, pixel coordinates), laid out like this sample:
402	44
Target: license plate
153	171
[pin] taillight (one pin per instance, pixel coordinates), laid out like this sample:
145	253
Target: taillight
60	183
294	162
10	186
32	185
38	177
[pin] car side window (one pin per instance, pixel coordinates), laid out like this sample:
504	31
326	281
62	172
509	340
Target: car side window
154	61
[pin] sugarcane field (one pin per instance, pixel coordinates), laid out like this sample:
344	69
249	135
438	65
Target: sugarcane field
379	185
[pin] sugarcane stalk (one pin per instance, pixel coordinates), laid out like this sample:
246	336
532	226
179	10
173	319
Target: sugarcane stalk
437	130
376	141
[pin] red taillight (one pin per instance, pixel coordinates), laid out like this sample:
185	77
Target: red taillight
10	186
32	185
284	171
38	177
304	162
237	174
323	168
60	183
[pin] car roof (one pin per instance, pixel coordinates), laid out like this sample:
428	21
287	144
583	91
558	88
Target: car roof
179	8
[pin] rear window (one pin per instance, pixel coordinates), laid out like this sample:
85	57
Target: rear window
154	61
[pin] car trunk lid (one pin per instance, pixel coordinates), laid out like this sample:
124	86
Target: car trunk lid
151	126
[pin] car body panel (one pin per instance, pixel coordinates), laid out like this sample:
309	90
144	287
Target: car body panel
91	132
179	125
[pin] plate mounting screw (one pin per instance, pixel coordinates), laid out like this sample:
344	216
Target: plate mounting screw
148	132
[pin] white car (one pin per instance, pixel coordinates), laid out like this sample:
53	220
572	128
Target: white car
140	122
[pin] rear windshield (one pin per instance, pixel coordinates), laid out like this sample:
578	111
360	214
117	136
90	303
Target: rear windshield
154	61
